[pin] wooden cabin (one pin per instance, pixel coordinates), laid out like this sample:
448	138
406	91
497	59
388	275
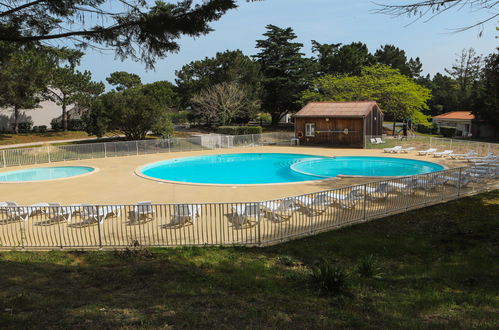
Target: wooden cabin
338	124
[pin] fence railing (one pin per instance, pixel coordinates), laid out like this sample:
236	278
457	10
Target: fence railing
54	153
49	226
421	142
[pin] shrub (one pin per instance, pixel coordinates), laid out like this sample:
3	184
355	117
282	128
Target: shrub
40	129
180	117
24	127
55	124
329	279
76	125
447	131
368	267
73	124
428	129
239	130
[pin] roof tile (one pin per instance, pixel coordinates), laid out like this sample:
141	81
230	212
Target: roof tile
336	109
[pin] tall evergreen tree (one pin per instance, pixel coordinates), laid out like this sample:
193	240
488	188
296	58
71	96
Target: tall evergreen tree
23	77
485	95
285	71
68	86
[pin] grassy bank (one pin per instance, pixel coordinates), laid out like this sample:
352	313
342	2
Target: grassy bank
437	269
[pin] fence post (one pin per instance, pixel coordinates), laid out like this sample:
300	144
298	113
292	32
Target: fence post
431	141
365	200
137	147
98	227
459	182
105	150
48	153
4	160
259	224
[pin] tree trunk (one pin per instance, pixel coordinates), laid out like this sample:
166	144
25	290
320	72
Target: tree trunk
64	117
394	122
16	120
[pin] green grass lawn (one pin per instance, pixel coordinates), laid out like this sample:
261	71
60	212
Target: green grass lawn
438	269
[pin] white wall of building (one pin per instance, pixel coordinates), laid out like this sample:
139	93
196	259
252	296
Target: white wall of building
40	116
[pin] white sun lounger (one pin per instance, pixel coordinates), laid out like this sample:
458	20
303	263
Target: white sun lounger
281	209
379	141
393	149
442	153
245	212
348	200
318	200
186	212
24	212
379	192
427	151
143	210
489	156
459	156
100	213
405	150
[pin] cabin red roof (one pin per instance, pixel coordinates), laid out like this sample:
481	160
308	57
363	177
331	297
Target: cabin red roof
462	115
336	109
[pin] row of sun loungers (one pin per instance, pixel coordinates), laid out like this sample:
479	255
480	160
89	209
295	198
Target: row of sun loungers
143	210
277	210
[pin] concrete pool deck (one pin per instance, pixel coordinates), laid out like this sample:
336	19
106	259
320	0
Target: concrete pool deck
117	183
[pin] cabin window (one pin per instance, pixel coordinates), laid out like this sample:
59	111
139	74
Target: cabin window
310	129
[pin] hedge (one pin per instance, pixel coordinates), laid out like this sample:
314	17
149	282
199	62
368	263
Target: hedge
240	130
73	125
447	131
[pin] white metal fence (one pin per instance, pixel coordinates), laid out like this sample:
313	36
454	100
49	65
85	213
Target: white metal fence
49	226
53	153
421	142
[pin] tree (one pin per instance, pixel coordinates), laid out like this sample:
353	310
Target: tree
485	95
133	112
393	57
432	8
124	80
132	27
444	94
69	86
23	77
350	59
285	71
466	71
226	67
415	67
222	103
398	96
325	56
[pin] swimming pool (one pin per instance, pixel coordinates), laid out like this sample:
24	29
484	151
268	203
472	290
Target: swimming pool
264	168
45	173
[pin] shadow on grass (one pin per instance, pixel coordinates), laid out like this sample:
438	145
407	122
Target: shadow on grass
438	270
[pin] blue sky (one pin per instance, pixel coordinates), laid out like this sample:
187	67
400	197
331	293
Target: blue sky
327	21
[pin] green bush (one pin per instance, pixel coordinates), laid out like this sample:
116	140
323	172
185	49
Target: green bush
40	129
180	117
239	130
329	279
73	124
24	127
447	131
427	129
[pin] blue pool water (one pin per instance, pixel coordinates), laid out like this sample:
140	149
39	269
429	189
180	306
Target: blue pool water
253	168
44	173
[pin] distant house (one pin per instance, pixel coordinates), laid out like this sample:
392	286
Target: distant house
465	124
40	116
340	124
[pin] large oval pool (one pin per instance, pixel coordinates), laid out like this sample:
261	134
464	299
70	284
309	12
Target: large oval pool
44	173
262	168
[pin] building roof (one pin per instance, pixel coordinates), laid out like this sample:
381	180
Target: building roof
459	115
336	109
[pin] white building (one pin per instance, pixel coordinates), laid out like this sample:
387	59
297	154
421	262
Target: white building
40	116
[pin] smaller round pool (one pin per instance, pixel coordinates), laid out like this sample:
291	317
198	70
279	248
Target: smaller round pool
45	173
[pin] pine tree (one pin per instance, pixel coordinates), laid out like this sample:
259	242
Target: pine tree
285	71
